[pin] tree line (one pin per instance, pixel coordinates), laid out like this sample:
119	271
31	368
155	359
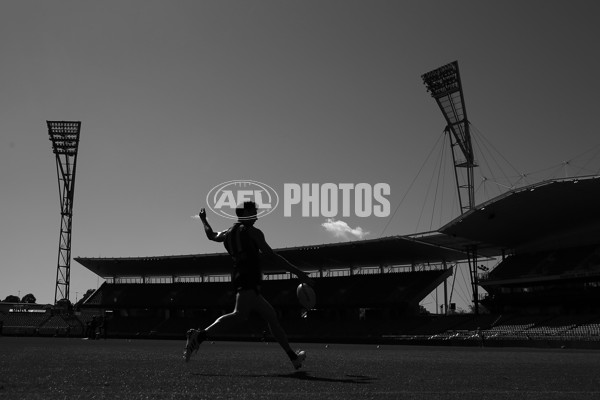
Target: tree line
31	299
28	298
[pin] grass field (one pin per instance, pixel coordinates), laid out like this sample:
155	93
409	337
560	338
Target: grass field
53	368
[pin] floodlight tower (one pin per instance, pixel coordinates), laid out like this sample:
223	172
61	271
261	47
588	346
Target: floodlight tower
65	142
445	87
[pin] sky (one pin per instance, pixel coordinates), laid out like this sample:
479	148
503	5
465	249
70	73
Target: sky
176	97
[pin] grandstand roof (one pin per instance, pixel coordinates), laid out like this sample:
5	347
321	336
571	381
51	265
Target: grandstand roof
560	212
545	215
395	250
458	243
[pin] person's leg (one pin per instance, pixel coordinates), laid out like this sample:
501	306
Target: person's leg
245	301
266	311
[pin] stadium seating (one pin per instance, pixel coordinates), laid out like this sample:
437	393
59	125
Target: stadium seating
349	291
55	325
515	266
570	261
23	323
358	307
172	308
557	281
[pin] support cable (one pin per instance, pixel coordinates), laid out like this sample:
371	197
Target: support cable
427	193
391	217
437	187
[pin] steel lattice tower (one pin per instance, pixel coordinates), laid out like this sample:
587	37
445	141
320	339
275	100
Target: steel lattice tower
65	142
445	87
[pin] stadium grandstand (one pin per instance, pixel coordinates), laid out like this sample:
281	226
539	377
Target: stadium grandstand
545	285
548	235
540	241
362	282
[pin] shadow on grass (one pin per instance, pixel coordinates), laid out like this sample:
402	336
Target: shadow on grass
306	376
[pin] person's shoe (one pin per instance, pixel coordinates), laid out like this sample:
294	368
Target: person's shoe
193	343
300	357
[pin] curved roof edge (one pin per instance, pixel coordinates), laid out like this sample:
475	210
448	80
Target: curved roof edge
388	251
531	213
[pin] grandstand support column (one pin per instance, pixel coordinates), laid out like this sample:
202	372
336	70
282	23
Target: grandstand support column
445	291
65	143
472	259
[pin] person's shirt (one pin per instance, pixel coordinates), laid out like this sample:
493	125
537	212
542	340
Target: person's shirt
239	243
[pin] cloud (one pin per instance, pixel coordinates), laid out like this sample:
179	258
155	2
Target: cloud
195	216
341	229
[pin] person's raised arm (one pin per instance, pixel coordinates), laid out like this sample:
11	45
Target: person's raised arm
210	234
259	239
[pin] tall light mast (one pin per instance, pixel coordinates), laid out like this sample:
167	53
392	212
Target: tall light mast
65	142
445	87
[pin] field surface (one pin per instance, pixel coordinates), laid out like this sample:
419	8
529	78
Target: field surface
53	368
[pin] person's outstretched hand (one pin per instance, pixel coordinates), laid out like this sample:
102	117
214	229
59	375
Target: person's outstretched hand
202	215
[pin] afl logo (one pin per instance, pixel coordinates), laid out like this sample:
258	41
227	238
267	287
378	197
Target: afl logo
224	198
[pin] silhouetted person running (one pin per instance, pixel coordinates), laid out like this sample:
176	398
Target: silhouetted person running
244	243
